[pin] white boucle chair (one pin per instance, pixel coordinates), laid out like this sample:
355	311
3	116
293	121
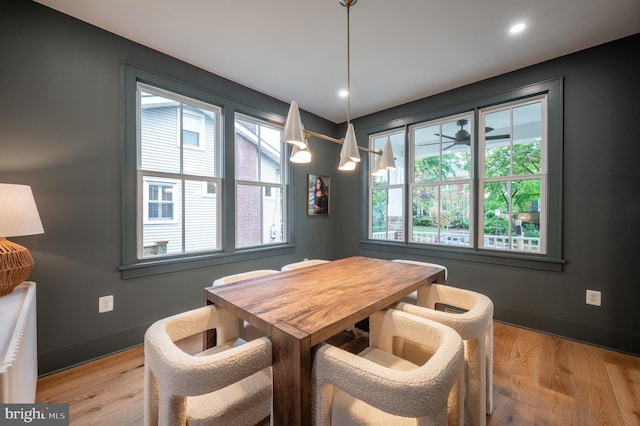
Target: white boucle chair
247	332
417	262
227	384
471	315
303	264
379	387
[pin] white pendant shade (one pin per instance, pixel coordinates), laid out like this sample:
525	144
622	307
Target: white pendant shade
350	145
300	155
293	130
387	161
346	164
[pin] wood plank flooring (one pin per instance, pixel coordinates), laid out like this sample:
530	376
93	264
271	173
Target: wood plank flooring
538	380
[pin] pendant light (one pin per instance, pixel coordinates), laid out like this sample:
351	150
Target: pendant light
295	134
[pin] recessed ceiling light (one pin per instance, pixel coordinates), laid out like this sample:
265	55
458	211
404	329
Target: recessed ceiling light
517	28
343	93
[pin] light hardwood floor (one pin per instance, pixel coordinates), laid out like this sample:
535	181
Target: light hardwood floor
538	380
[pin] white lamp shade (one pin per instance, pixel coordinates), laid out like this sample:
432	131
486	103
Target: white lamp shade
349	151
293	130
387	161
300	155
18	211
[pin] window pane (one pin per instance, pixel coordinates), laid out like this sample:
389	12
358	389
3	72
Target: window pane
525	212
260	219
162	222
391	177
270	149
200	129
258	152
497	139
425	201
426	148
159	133
273	216
201	218
527	137
248	215
387	221
379	214
455	202
496	215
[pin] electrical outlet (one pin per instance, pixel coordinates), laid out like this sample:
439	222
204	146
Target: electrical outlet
306	259
105	304
594	298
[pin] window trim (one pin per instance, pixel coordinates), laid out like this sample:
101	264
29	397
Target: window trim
552	260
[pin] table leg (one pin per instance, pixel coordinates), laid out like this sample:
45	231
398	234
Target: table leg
291	376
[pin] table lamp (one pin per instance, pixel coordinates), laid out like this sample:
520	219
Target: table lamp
18	216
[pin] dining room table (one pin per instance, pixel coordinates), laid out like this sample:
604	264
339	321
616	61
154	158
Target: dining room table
301	308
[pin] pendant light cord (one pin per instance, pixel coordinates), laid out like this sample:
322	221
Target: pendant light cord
348	66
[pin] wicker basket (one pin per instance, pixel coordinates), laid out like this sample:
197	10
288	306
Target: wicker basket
16	264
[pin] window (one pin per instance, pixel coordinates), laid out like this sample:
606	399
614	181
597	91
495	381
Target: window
513	176
260	184
485	180
171	176
203	184
159	205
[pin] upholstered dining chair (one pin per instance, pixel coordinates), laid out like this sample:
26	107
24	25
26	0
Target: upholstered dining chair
413	297
227	384
418	262
380	387
303	264
471	315
247	332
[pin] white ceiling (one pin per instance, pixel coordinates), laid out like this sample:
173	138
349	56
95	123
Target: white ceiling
400	50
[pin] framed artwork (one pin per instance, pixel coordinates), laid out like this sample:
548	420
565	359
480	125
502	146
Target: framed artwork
318	202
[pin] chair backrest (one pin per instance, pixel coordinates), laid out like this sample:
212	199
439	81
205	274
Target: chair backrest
244	276
476	309
303	264
172	375
417	262
422	392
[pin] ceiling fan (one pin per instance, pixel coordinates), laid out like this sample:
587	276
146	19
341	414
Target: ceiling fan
463	137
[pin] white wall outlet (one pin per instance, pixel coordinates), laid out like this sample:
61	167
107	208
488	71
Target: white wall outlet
305	259
105	304
594	298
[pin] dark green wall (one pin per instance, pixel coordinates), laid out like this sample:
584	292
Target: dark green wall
601	203
61	131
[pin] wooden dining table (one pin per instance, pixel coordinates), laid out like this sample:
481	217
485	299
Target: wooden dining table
303	307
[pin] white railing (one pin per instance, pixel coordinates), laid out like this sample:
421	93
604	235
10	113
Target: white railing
450	238
384	235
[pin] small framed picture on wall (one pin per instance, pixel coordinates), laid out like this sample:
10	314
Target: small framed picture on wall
319	195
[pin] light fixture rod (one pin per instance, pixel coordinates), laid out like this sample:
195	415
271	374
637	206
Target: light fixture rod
348	65
326	138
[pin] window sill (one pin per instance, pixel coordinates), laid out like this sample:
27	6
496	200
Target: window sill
518	260
166	264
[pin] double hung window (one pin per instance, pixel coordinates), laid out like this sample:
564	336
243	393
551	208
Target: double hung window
175	182
259	181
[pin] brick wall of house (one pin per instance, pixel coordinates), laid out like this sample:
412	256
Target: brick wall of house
248	200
